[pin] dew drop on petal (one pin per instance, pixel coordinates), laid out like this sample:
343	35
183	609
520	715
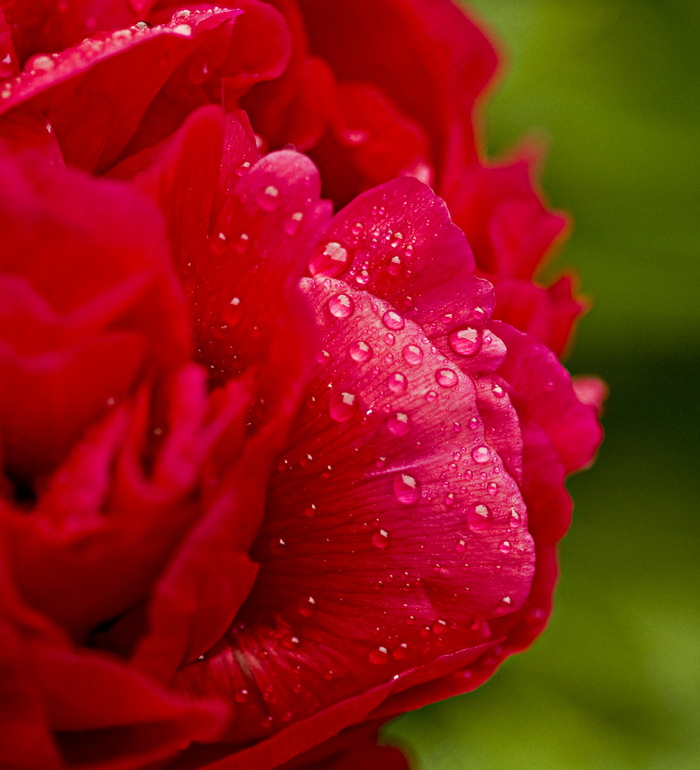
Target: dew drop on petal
292	225
413	354
479	516
310	511
331	261
397	382
492	488
392	320
481	454
231	313
461	546
380	539
515	519
406	489
341	305
343	406
379	656
465	342
240	696
505	546
307	607
290	642
401	652
446	378
399	424
269	198
389	338
431	396
360	352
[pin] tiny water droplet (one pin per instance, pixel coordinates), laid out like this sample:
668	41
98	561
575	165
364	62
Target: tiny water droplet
406	489
341	306
492	488
461	546
290	642
360	352
431	396
362	278
399	424
397	382
401	652
331	261
474	423
389	339
240	696
269	198
479	517
395	265
292	225
307	607
449	500
446	378
342	406
439	627
465	342
380	538
379	656
413	354
231	314
505	546
310	511
497	390
515	519
481	454
392	320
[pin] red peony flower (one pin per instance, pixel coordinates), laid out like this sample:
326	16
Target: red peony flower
269	475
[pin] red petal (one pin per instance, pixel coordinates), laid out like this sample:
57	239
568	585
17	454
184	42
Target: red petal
95	94
381	530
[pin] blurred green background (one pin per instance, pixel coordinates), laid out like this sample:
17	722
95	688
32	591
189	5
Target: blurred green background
614	86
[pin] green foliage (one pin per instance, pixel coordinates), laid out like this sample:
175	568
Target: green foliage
615	682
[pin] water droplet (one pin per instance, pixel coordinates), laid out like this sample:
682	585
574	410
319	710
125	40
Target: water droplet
342	406
397	382
401	652
389	339
231	314
269	198
290	642
392	320
515	519
360	352
492	488
331	261
461	546
307	607
40	63
465	342
413	354
497	390
399	424
480	516
446	378
481	454
310	511
395	265
277	544
240	696
478	314
242	243
449	500
506	601
431	396
439	627
380	538
505	546
379	656
341	306
406	489
362	278
292	225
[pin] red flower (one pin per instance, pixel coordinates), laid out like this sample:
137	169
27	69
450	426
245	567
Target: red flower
267	474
